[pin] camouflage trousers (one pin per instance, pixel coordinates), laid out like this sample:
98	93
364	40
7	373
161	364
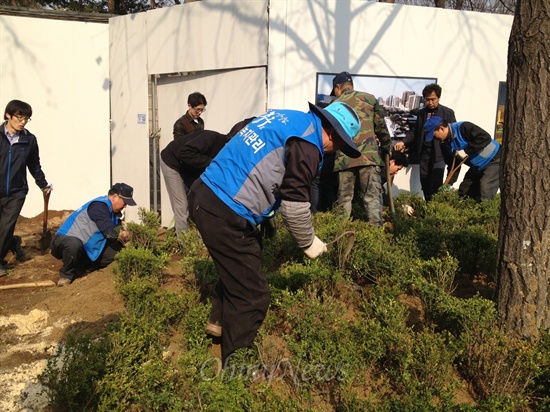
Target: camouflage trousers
371	191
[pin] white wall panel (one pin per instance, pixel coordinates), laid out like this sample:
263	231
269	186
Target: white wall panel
61	69
129	107
207	35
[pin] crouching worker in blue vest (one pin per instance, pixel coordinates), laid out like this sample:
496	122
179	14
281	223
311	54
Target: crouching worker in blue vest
481	181
91	236
267	166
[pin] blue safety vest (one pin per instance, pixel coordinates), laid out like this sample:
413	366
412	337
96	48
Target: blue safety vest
479	159
79	225
247	172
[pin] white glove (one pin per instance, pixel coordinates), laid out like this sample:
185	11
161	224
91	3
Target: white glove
461	154
317	248
48	189
408	210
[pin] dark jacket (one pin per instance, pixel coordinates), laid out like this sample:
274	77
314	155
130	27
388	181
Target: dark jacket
480	147
15	159
186	124
444	112
192	153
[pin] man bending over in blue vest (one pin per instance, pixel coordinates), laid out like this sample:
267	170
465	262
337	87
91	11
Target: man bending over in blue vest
268	165
481	181
91	236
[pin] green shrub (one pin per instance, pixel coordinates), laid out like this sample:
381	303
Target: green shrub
139	263
137	295
379	328
72	374
137	377
452	225
498	367
374	255
146	234
540	387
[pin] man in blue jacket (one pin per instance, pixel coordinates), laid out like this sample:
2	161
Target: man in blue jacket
268	165
18	152
481	181
91	235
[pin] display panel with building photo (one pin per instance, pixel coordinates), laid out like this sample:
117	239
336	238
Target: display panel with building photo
400	96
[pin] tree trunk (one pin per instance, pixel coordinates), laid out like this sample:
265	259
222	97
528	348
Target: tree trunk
440	3
523	272
386	1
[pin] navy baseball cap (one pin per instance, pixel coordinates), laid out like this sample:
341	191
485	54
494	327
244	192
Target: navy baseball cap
430	126
339	79
125	192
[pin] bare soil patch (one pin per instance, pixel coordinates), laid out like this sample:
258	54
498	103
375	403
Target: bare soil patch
33	320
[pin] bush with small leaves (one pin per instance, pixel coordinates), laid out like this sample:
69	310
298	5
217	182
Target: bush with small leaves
146	234
72	374
139	263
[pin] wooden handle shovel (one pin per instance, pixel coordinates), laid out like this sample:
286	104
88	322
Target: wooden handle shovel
46	238
42	283
389	184
454	169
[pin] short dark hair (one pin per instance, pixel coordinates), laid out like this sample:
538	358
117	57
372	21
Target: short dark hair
18	107
195	99
432	88
399	158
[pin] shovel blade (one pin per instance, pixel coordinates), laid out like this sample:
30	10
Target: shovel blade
45	241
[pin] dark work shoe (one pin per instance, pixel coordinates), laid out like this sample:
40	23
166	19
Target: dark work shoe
20	255
17	249
64	282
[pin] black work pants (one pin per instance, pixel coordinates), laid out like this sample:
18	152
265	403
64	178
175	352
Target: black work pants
432	169
10	207
241	298
431	173
71	251
482	184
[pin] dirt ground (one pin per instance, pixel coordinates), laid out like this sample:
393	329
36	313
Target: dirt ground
34	319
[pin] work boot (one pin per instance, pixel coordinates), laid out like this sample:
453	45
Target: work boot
3	272
64	282
17	249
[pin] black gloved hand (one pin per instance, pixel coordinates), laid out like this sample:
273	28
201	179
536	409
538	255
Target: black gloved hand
268	229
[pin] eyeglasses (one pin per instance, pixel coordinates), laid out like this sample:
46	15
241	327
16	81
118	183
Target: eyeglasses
22	118
200	109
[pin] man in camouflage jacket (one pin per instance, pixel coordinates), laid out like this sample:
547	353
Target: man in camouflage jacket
374	142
